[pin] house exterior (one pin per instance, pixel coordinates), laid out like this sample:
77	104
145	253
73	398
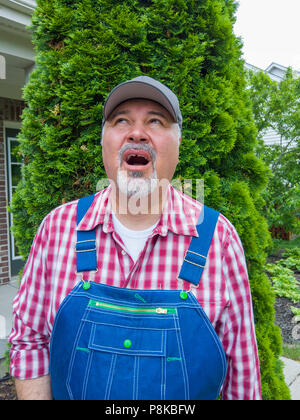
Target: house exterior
16	63
276	72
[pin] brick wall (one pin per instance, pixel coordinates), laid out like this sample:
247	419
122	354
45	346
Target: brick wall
10	110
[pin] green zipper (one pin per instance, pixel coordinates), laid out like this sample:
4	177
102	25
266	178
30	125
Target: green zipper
97	304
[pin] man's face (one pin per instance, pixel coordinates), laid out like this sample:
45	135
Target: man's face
140	142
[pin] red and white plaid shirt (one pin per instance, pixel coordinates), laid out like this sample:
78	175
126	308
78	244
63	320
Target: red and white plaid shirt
50	274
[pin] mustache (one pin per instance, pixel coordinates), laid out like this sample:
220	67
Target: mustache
144	147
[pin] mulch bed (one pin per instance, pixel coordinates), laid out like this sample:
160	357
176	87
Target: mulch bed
283	313
283	318
7	389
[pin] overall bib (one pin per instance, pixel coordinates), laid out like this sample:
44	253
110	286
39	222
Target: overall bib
110	343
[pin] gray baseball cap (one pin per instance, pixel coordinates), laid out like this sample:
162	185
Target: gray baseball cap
143	87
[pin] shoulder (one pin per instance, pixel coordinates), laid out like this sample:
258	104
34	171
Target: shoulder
231	242
62	213
225	232
67	213
188	202
224	226
71	207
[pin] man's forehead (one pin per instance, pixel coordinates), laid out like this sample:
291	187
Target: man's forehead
148	106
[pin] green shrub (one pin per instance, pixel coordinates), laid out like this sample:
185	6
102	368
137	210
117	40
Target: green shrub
84	49
276	106
284	282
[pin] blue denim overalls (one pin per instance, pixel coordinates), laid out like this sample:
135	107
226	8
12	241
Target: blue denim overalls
110	343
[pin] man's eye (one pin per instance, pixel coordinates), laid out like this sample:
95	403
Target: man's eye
155	121
120	121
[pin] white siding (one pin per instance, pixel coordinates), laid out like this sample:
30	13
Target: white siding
272	137
275	72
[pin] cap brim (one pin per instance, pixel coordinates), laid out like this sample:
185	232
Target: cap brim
136	90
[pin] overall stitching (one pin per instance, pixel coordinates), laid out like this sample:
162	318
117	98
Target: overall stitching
213	333
57	317
135	378
163	378
73	354
87	375
140	352
135	315
110	376
131	316
129	327
183	362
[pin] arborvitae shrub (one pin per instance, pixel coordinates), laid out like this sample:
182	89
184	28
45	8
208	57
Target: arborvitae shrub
84	48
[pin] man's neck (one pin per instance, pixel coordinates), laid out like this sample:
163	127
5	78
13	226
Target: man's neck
139	213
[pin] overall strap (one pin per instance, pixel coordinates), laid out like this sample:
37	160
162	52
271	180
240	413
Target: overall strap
195	259
86	240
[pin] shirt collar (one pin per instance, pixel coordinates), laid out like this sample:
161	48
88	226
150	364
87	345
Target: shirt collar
180	214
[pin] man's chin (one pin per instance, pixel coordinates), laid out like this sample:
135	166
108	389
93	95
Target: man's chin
136	172
136	184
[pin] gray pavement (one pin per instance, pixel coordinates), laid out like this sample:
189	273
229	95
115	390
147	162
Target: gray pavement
8	292
291	372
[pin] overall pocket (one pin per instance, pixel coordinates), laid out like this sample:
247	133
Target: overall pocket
121	353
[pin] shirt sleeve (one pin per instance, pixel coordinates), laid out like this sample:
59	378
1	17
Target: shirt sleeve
242	381
30	336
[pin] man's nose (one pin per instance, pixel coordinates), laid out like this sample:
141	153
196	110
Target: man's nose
138	134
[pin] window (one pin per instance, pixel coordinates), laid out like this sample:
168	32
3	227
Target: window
14	175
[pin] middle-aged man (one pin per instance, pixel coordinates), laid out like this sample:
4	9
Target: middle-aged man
139	291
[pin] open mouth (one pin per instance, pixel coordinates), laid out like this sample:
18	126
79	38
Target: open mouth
136	159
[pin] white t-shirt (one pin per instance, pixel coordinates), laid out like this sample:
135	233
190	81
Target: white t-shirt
134	240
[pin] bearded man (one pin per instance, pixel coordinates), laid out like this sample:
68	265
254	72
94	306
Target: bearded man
137	292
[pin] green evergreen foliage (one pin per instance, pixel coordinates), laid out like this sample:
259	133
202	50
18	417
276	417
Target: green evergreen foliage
277	106
84	48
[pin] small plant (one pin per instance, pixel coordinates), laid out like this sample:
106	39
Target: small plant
292	252
282	274
296	312
284	283
292	260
